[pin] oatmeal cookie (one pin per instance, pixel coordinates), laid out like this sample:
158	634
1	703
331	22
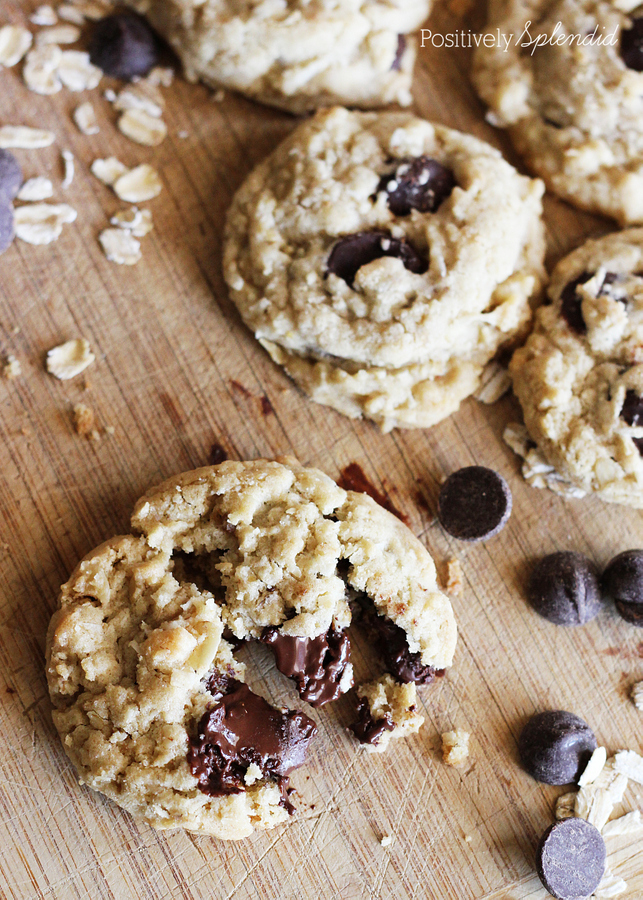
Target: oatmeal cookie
573	107
370	254
579	377
148	697
296	54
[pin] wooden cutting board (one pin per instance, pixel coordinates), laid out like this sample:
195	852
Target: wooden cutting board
176	372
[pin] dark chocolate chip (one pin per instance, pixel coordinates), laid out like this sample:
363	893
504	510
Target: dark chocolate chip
243	729
10	175
474	503
571	859
632	410
124	46
421	184
317	665
555	746
564	588
352	252
6	224
571	304
368	730
399	53
632	45
622	582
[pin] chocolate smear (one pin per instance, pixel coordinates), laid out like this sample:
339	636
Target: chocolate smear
367	729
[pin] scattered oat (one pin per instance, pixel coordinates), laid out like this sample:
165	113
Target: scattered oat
85	422
138	221
110	95
40	71
139	184
35	189
630	764
59	34
386	840
11	368
630	823
468	838
594	767
24	138
141	95
139	126
76	71
595	802
68	163
120	246
495	381
44	15
637	695
455	747
94	9
70	13
455	576
610	886
69	359
535	469
108	170
565	806
85	118
183	135
42	223
109	429
14	43
161	75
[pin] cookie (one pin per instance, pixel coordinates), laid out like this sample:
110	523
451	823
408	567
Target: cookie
579	377
371	257
298	55
573	109
148	697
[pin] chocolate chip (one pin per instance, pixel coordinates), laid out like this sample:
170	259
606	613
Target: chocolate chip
6	224
124	46
555	746
318	665
632	45
352	252
242	730
421	184
564	588
10	175
366	729
399	53
571	304
571	859
622	582
474	503
632	410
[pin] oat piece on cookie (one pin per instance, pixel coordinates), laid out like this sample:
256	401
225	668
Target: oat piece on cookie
148	698
370	256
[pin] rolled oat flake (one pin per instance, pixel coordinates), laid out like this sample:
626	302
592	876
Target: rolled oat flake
571	859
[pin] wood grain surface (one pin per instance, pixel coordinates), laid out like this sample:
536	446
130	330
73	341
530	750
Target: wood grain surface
176	372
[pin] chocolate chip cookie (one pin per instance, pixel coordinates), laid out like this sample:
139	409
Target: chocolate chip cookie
299	54
149	699
579	377
570	89
384	260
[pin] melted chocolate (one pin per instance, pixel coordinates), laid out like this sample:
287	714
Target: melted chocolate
367	729
352	252
317	664
243	729
422	184
632	411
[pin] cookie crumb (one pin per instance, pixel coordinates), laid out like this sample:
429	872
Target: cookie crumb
218	96
85	422
455	576
69	359
455	747
11	368
637	695
468	838
386	840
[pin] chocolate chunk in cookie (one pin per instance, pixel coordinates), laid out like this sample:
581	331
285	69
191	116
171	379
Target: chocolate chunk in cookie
243	730
421	184
571	304
555	746
367	729
124	46
474	503
632	45
632	409
10	175
571	859
622	582
320	666
564	588
352	252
